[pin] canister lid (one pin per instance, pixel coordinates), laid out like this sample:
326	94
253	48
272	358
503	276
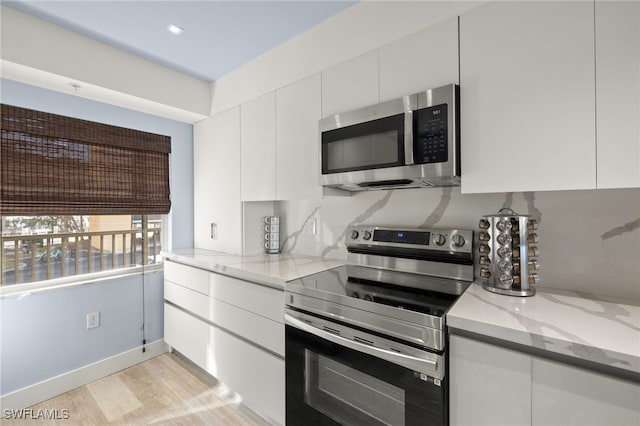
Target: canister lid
506	212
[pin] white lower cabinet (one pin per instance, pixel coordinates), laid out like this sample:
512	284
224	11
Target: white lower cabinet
262	331
187	334
234	330
493	385
257	376
488	385
567	395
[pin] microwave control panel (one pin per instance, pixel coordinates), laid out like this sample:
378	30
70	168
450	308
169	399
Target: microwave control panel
430	135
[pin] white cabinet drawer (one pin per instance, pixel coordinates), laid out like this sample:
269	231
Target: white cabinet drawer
265	301
253	327
188	299
254	374
187	276
187	334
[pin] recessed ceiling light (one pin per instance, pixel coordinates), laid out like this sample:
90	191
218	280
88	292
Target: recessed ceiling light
173	28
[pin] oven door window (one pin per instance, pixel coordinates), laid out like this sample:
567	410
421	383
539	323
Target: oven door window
329	384
371	145
350	396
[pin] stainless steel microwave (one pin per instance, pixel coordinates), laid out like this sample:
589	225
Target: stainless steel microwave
409	142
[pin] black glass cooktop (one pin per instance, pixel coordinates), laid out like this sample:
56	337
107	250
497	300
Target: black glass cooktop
411	292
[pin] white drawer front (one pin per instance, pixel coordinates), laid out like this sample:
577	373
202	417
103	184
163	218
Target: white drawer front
254	374
187	334
188	299
258	329
187	276
265	301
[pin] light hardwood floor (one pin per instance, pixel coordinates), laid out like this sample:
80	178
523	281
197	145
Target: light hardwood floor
164	390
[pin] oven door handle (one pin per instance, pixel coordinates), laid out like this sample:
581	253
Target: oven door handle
422	365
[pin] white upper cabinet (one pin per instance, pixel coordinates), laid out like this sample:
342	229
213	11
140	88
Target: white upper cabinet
297	145
258	148
217	207
618	93
424	60
350	85
527	97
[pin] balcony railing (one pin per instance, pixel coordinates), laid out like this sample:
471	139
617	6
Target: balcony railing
30	258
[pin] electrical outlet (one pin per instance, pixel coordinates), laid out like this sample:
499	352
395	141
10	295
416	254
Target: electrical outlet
93	320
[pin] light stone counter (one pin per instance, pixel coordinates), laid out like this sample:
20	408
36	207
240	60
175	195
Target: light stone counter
596	329
269	269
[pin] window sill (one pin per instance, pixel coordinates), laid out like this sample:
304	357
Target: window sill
20	290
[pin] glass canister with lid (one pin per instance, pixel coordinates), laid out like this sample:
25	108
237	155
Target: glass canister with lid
508	253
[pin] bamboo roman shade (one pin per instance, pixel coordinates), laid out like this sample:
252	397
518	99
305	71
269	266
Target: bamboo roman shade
56	165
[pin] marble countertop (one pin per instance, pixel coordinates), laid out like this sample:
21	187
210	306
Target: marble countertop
270	269
596	329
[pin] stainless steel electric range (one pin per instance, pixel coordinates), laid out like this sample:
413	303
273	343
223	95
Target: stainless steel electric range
366	343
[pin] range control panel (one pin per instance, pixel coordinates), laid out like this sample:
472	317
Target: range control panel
450	240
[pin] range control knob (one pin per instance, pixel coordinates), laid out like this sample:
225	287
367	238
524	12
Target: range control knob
367	235
354	234
439	239
458	240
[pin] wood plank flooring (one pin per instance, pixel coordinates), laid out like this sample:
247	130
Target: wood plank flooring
166	390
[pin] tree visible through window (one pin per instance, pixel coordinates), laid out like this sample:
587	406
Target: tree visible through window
38	248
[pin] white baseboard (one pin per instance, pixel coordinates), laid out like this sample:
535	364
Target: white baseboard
36	393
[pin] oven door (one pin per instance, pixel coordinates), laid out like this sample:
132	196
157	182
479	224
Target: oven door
371	144
333	380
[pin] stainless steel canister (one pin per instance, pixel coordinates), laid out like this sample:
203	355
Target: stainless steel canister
272	234
508	253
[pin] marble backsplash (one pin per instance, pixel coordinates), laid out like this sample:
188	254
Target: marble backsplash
589	240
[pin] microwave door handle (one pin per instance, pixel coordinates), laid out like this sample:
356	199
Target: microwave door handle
408	138
426	366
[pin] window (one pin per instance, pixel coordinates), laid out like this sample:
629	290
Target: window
38	248
78	197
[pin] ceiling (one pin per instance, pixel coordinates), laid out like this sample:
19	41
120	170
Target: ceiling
218	37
